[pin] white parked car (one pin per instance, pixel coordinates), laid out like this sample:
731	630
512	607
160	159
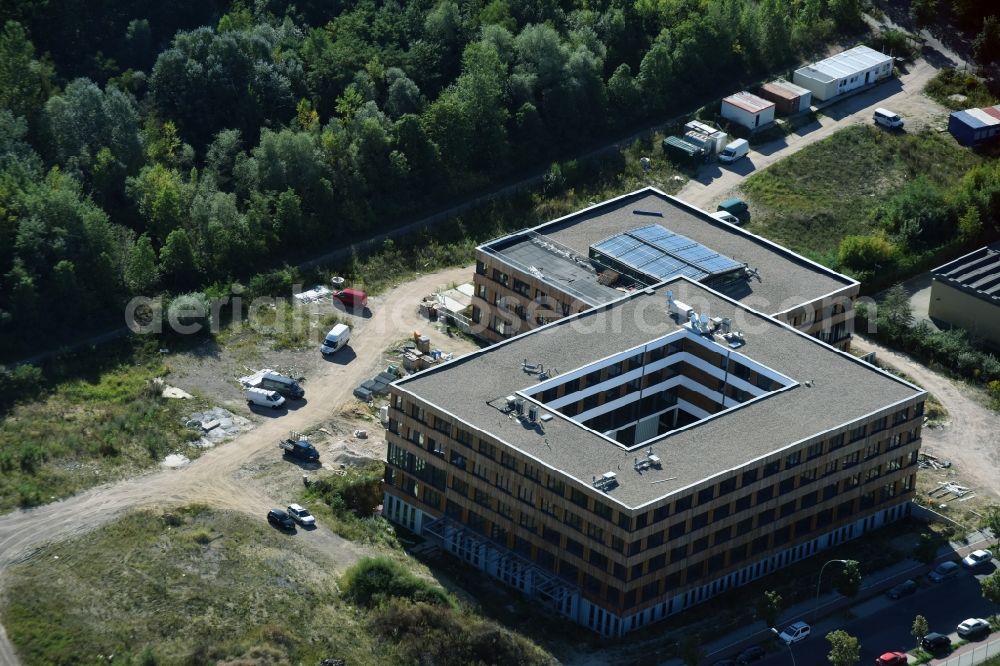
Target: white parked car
300	515
973	626
976	558
795	632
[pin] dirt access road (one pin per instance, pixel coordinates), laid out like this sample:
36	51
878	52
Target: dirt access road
971	440
212	478
716	182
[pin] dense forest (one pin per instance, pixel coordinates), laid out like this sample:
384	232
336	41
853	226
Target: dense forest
150	147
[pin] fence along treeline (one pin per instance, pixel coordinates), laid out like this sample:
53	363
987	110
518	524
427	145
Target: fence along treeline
146	149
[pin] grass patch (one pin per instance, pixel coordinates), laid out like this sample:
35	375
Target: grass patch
143	590
950	82
811	200
279	325
97	420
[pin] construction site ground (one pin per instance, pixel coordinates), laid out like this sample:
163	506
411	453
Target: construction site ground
229	476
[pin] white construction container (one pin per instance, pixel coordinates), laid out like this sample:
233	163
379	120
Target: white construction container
748	110
844	72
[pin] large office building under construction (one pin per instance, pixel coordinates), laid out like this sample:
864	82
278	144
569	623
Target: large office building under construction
666	443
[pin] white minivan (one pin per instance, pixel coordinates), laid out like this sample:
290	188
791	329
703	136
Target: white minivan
335	339
264	398
734	151
887	118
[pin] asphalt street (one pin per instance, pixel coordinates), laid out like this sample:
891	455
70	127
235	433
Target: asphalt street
883	625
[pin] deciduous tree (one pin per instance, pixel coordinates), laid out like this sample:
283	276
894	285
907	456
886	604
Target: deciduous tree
920	628
844	648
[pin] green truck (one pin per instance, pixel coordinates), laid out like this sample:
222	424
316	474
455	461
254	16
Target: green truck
736	207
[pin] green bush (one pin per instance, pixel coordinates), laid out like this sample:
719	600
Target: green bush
428	634
953	349
274	283
894	42
374	580
950	82
357	490
20	383
861	253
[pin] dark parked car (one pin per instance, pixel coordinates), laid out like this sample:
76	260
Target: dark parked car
906	588
281	520
750	655
935	642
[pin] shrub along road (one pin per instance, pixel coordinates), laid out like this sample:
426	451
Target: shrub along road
212	478
904	96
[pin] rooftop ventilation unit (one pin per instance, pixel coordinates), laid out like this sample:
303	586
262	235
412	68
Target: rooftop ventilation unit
510	402
532	413
546	417
726	325
651	460
606	481
681	310
519	406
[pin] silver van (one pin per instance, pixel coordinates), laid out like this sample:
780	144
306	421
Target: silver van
888	119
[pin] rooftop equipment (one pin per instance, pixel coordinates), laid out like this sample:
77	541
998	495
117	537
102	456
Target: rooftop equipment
651	460
606	482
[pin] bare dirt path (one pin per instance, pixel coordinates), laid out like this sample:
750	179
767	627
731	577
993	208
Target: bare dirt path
971	440
212	478
904	96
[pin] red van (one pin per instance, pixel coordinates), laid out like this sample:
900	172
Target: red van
353	298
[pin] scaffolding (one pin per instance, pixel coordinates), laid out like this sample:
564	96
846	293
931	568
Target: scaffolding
546	586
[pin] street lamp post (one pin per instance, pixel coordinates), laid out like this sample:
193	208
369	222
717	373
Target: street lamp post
820	580
777	635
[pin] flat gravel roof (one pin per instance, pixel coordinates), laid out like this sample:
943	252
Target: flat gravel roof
843	389
784	280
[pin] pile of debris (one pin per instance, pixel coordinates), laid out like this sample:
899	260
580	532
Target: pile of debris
216	426
946	488
317	293
927	461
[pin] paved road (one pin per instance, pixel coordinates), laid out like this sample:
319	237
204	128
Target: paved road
716	182
885	624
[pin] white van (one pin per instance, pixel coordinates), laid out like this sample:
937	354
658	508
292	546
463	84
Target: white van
335	339
734	151
264	398
887	118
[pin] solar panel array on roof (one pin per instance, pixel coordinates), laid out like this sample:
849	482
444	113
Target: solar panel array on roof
661	253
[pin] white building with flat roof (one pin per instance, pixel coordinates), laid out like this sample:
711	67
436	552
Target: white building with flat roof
747	109
844	72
